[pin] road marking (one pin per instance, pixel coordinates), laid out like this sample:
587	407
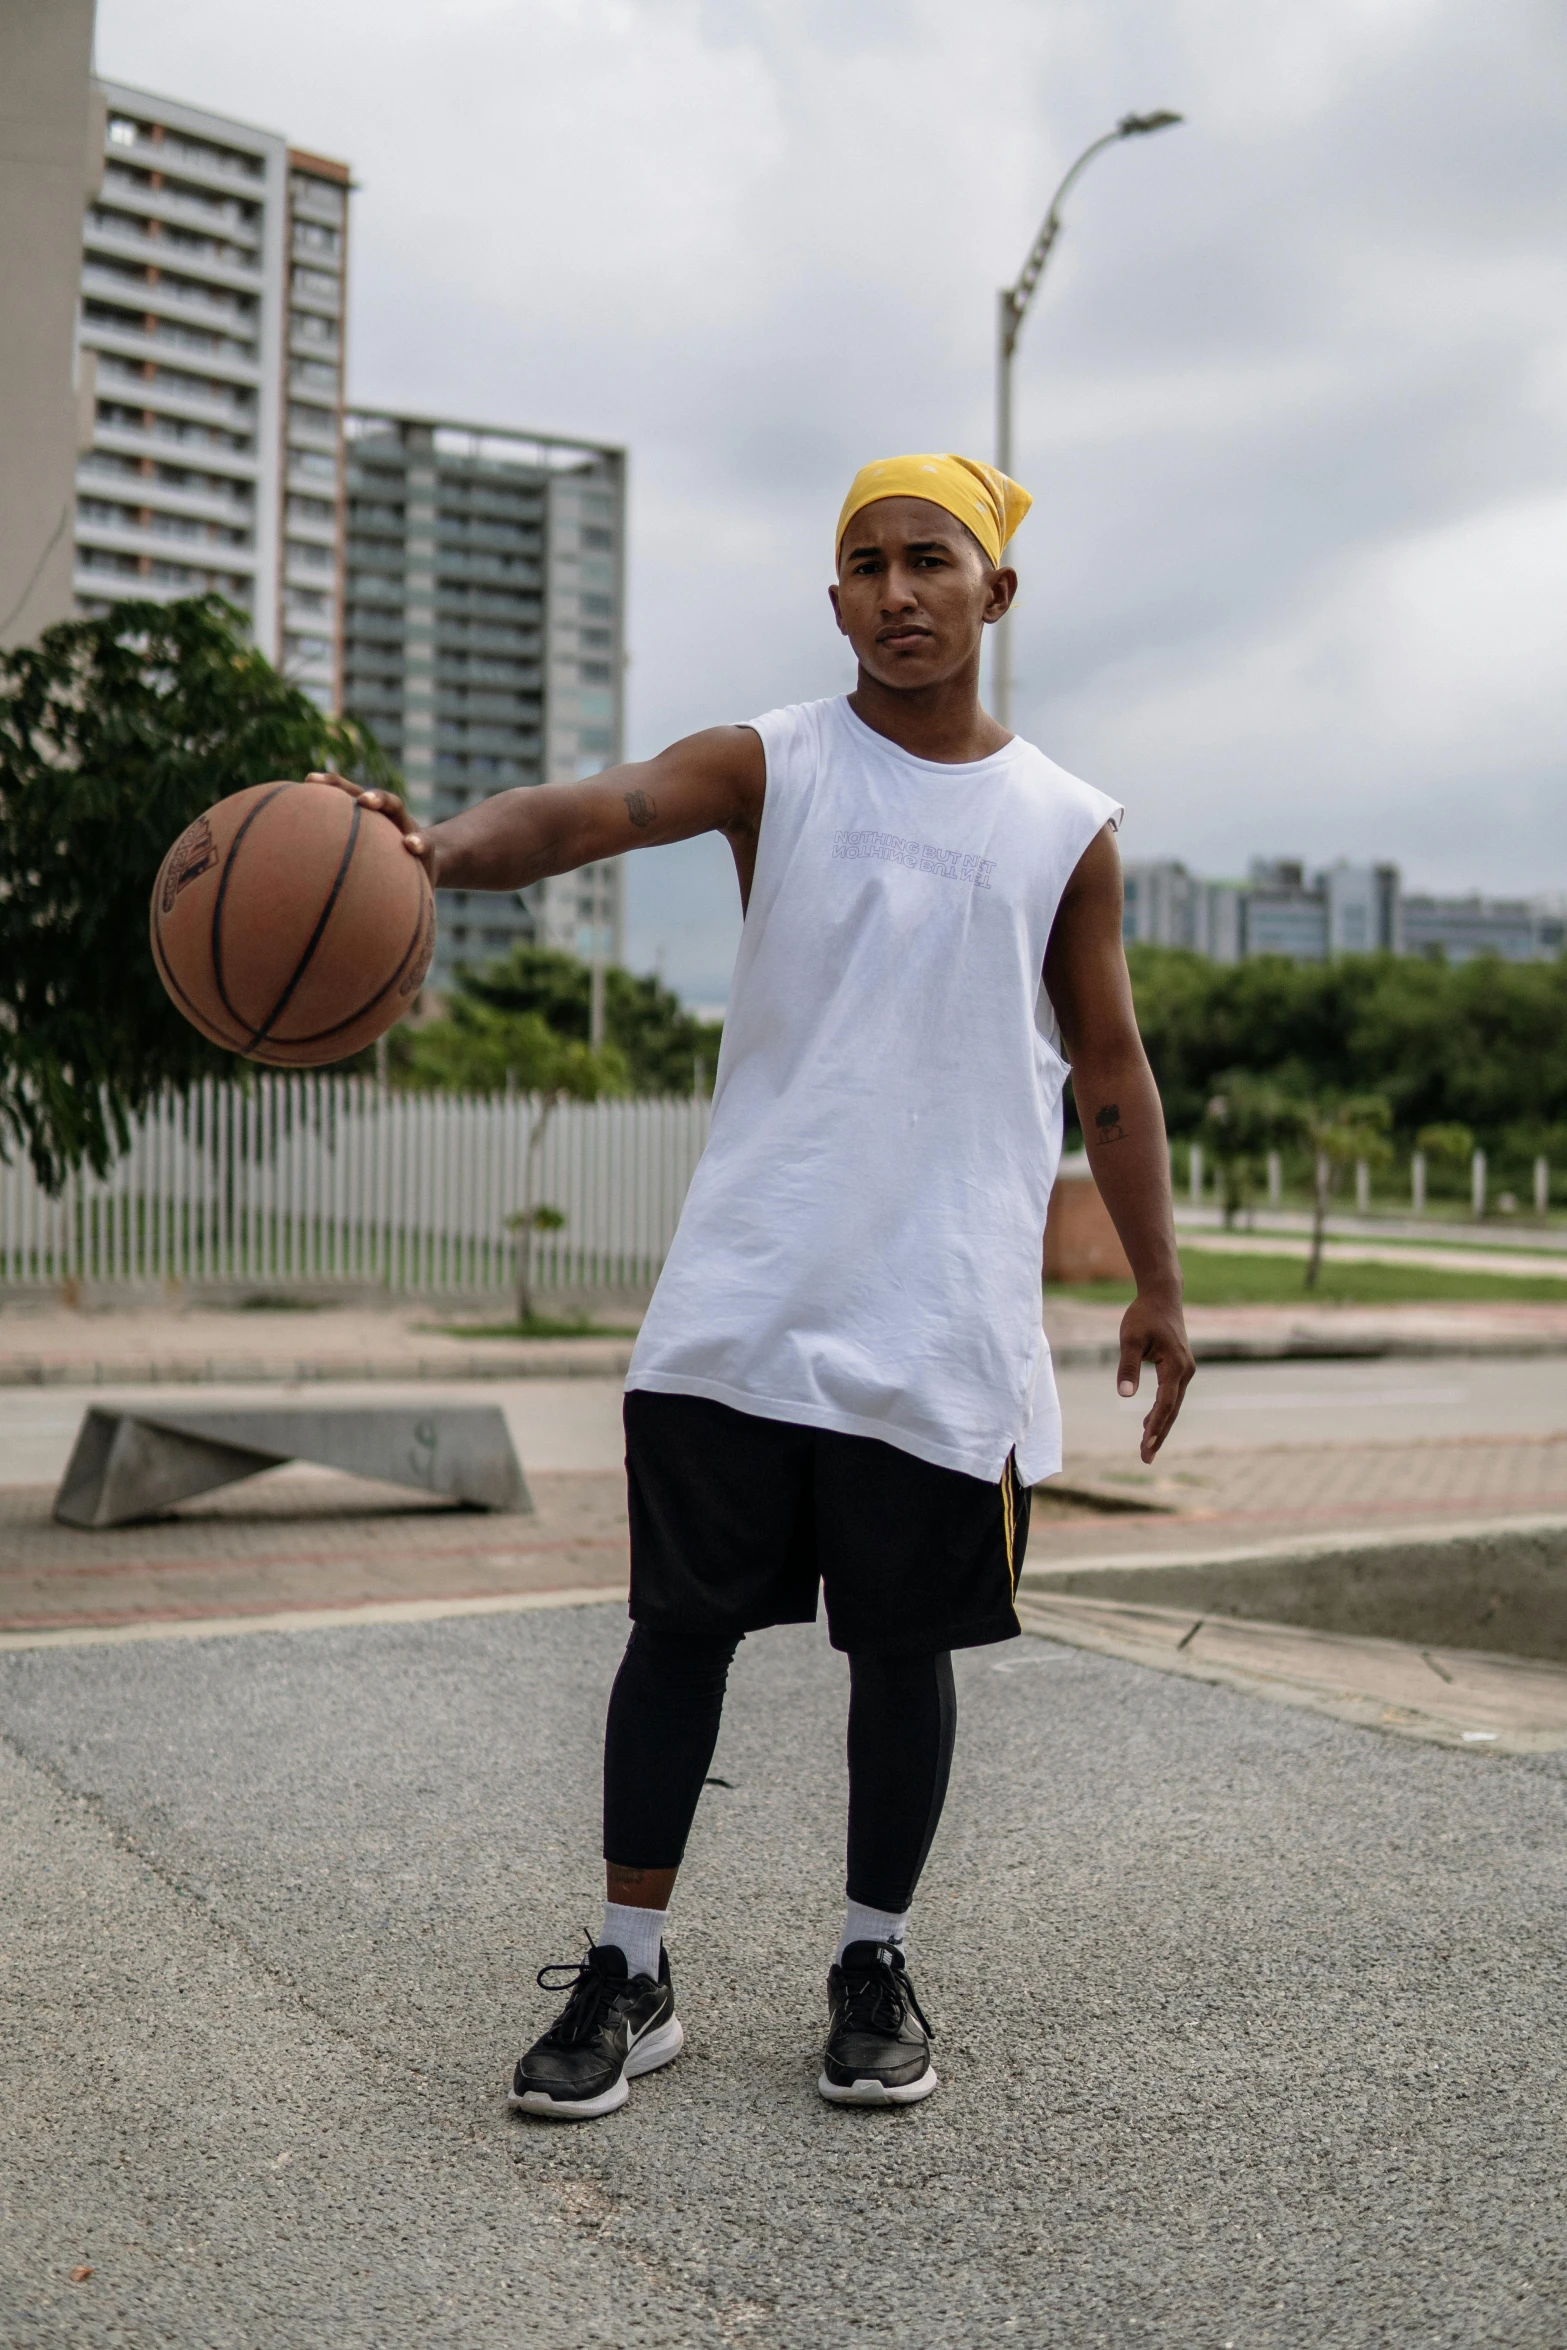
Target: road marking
307	1619
1313	1399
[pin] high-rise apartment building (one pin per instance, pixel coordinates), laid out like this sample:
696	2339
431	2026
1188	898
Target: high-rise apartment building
213	296
485	642
461	589
51	149
313	518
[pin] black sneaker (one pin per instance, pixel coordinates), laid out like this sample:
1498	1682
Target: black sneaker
612	2028
878	2042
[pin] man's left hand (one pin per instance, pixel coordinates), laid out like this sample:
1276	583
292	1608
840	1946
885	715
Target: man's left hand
1154	1330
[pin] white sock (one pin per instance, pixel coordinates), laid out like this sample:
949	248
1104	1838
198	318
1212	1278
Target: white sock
871	1925
638	1932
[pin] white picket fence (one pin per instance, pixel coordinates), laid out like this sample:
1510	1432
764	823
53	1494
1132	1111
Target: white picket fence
303	1180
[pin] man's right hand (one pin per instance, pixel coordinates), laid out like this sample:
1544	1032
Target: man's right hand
386	803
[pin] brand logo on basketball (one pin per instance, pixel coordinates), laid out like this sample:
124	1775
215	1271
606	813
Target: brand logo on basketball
192	855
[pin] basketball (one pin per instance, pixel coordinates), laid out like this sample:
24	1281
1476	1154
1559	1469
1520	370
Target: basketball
290	924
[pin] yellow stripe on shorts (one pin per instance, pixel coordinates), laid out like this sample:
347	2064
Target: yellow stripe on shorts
1009	1521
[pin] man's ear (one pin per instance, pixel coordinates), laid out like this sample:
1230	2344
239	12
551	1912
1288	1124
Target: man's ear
837	610
1002	594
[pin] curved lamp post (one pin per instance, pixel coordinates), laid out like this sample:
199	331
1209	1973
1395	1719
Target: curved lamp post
1013	302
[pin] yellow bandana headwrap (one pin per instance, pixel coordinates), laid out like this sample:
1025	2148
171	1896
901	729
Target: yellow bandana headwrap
990	504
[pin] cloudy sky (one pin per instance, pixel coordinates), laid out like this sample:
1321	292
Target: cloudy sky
1291	399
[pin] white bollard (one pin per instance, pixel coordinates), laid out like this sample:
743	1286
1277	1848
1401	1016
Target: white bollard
1196	1166
1477	1183
1362	1187
1417	1182
1275	1179
1542	1187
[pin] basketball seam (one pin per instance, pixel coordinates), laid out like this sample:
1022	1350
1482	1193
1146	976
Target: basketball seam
216	943
197	1017
320	1035
259	1036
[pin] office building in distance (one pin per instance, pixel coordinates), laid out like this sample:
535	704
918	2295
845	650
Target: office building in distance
213	290
1343	910
485	642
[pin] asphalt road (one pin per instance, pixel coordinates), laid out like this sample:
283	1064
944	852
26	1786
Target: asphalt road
574	1424
1249	2022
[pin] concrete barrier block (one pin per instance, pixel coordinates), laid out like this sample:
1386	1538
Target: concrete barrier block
130	1464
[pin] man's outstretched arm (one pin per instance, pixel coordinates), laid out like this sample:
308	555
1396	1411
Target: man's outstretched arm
1123	1124
710	782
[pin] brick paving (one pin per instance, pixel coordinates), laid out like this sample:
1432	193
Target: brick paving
302	1540
1479	1475
1230	1497
295	1541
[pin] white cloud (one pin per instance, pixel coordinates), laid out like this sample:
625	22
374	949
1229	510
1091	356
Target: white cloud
1291	397
1429	665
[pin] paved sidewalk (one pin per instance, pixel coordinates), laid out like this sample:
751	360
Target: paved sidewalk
1514	1264
1438	1227
53	1346
1249	2023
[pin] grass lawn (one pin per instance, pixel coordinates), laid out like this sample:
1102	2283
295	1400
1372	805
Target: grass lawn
536	1326
1214	1280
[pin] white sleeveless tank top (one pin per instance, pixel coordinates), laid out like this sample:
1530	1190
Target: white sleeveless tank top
860	1246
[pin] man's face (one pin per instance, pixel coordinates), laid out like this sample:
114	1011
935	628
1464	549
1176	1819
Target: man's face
915	591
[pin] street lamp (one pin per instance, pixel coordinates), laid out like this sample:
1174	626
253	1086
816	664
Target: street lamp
1013	302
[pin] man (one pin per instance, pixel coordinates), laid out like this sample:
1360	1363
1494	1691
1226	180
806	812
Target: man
842	1380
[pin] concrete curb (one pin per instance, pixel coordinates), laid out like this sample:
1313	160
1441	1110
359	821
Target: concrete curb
577	1359
1311	1346
309	1619
1493	1584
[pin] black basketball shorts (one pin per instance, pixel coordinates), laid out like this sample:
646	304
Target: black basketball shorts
736	1521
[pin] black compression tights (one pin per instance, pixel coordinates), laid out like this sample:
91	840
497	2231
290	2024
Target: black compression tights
663	1725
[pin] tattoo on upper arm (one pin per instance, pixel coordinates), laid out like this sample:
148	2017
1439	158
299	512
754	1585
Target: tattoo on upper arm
1107	1123
642	810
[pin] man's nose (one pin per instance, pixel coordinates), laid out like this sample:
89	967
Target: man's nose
898	591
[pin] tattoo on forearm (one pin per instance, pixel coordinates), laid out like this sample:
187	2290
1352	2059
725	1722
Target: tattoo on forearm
642	810
1107	1123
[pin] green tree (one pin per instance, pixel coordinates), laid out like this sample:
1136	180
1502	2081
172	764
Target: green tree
1452	1143
664	1048
1337	1134
114	734
478	1048
1481	1044
1245	1119
481	1047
